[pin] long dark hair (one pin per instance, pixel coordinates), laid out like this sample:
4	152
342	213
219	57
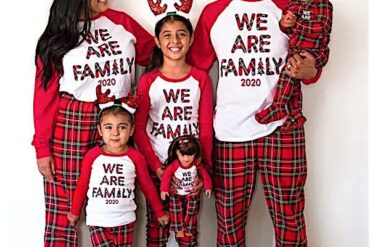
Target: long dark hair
61	34
187	145
156	59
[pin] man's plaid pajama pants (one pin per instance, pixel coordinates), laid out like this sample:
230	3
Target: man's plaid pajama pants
280	161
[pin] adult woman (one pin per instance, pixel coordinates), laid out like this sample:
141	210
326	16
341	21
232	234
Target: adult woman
85	44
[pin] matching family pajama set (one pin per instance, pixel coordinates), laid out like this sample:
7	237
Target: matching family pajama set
245	38
65	114
108	182
311	33
170	108
184	207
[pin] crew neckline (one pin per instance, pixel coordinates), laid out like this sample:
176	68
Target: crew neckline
114	155
178	79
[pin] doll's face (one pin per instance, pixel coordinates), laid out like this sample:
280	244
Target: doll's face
185	160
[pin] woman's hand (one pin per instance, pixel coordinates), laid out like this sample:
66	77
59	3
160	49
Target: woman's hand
46	167
301	66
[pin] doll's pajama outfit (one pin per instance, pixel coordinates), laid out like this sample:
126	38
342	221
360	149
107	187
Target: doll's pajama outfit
65	114
250	48
184	207
311	33
108	182
170	108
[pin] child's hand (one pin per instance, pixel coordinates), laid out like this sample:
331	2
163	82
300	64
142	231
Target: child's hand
159	172
197	186
72	218
209	193
164	219
288	20
175	184
164	195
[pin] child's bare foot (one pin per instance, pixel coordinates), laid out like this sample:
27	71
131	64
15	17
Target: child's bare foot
180	234
188	234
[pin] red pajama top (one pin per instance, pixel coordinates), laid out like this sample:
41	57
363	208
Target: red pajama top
107	56
170	108
246	39
108	181
186	175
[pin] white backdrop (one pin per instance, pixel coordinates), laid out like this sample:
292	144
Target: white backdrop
337	138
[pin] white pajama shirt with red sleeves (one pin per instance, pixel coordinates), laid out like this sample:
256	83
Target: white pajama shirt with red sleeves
170	108
107	56
251	50
108	181
186	175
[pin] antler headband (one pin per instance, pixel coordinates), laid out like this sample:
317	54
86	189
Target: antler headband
130	102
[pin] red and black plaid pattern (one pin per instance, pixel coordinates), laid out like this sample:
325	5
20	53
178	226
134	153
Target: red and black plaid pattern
75	133
311	33
278	108
312	29
280	161
119	236
295	119
184	213
156	234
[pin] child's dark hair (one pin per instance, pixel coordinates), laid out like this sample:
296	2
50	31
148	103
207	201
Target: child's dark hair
187	145
116	110
156	59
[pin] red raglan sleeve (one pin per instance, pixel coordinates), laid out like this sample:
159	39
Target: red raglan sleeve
82	186
45	109
144	41
141	118
206	119
167	177
201	53
146	184
207	181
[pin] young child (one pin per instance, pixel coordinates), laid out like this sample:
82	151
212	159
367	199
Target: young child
176	99
308	24
108	181
184	163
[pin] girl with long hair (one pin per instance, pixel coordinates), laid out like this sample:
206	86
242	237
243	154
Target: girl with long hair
176	99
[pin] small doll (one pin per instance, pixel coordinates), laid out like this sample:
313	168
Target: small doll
184	163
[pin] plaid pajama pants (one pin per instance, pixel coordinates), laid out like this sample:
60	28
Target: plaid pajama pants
74	134
156	234
119	236
184	213
280	160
